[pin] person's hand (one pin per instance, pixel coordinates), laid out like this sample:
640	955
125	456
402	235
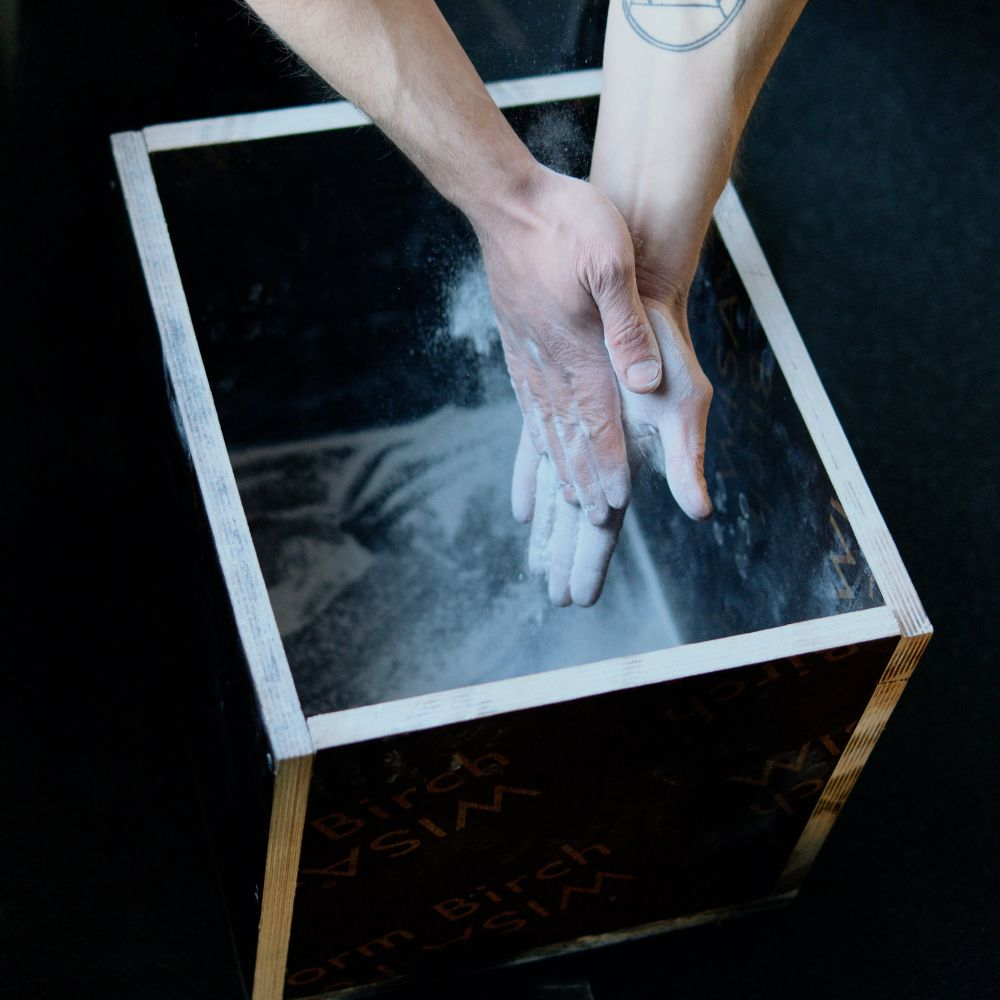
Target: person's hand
561	270
666	427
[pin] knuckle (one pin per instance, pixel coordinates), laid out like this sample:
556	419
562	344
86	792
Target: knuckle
612	460
607	271
599	514
614	271
601	431
628	336
702	390
587	487
610	270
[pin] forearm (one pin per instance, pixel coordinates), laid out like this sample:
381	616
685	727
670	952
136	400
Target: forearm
401	64
558	256
671	119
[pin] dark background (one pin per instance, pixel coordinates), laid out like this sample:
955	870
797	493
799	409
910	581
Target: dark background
868	172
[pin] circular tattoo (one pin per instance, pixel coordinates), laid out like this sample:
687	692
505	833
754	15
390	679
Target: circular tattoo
680	26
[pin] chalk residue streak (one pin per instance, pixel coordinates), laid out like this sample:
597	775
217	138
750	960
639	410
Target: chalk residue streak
394	565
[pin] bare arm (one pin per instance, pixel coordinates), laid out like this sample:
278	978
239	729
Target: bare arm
679	83
558	256
402	65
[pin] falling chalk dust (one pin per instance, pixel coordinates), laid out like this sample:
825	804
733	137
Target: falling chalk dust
394	565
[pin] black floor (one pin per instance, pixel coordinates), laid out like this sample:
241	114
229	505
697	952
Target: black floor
868	172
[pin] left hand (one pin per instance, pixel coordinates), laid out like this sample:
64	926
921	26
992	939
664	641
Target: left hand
666	427
561	269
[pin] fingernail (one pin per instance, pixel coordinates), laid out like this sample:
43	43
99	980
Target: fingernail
643	373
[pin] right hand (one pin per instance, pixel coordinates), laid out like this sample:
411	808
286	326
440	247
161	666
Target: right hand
561	270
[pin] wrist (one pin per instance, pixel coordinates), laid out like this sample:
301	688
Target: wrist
667	235
507	193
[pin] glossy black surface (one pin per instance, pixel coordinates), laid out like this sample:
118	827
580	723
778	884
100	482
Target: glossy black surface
326	280
867	171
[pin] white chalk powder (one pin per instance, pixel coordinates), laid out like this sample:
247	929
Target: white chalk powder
394	565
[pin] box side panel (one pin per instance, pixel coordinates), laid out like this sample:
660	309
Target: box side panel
226	734
482	841
253	802
863	739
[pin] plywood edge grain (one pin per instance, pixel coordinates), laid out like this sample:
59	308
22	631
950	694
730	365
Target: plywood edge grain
198	426
255	125
814	404
408	715
859	747
342	114
288	815
861	510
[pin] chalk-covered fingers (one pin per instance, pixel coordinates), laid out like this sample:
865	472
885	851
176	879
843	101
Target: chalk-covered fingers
595	545
523	482
532	391
683	439
566	547
543	519
668	425
677	412
594	443
572	409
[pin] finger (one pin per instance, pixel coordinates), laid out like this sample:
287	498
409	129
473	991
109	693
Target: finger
601	422
522	486
683	438
554	449
594	548
546	494
562	549
627	334
522	391
535	388
587	486
554	395
682	425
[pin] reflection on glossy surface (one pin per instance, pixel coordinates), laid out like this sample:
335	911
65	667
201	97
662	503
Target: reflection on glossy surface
340	312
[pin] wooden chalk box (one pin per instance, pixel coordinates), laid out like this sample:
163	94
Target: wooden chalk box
417	764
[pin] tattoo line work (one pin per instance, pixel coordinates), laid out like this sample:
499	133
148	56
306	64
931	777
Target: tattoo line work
680	26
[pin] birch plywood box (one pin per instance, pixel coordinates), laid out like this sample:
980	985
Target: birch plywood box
416	762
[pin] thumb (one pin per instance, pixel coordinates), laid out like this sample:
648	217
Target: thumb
628	336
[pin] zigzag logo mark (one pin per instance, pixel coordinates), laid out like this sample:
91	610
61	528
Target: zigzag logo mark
773	764
494	807
594	890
